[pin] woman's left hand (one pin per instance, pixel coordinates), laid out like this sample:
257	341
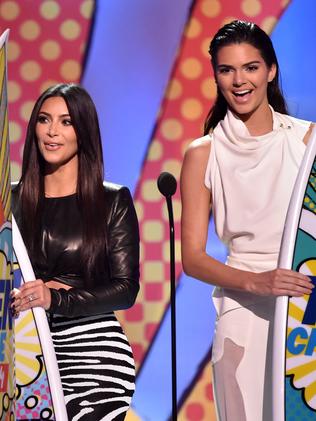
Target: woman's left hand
29	295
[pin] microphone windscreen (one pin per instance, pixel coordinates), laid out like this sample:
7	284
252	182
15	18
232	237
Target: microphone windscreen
167	184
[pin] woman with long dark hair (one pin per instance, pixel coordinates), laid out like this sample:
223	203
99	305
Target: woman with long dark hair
82	237
243	171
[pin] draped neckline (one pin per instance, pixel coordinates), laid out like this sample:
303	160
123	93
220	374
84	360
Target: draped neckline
233	131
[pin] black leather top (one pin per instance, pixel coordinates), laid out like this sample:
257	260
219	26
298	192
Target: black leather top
59	258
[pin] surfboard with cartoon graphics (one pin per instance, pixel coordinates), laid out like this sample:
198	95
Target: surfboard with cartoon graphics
7	384
294	347
39	394
30	387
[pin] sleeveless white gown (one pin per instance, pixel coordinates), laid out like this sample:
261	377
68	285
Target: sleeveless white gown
251	181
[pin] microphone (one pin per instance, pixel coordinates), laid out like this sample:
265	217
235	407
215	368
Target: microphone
167	184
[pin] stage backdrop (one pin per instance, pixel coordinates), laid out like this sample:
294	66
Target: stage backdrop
147	69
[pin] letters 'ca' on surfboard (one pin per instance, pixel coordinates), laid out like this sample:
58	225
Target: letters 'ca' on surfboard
294	344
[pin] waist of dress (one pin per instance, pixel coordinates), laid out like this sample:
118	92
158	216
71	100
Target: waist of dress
226	299
254	262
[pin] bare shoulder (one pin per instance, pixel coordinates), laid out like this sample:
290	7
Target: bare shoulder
195	164
308	133
199	148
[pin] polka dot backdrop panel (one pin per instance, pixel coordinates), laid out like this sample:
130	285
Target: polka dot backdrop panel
47	44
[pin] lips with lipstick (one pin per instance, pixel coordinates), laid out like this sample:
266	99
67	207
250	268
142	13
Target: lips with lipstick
242	96
52	146
243	93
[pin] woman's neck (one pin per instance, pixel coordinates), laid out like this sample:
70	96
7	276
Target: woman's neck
62	182
259	122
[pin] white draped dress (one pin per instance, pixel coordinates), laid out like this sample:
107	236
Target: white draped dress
251	181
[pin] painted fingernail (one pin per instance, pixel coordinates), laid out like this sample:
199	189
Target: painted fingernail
14	313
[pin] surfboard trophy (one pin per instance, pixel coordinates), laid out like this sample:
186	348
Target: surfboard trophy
30	386
39	390
294	342
7	384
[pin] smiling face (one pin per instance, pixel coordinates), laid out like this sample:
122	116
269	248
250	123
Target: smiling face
57	140
242	76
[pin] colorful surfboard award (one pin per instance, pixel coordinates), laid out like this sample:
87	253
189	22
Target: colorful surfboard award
7	384
294	352
30	386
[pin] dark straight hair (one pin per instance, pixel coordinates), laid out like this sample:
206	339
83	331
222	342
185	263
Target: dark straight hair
237	32
90	191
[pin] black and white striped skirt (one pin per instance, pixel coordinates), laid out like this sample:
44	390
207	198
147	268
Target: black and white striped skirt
96	366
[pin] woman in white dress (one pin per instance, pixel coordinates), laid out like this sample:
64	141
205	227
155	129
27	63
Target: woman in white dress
243	171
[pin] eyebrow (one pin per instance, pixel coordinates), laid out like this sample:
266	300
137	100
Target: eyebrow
244	65
49	115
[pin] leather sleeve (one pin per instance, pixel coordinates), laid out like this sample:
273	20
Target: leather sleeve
120	291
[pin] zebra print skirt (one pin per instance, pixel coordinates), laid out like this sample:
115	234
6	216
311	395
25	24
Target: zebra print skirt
96	366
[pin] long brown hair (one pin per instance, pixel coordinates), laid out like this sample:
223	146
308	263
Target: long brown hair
90	191
237	32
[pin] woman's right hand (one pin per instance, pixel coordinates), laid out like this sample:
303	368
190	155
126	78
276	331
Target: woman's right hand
281	282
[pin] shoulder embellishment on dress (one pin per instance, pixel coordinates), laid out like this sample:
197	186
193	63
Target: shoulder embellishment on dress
285	127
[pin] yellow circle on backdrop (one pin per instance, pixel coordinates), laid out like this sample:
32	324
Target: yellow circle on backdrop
191	68
209	88
86	8
139	209
14	50
50	50
171	129
228	19
16	170
155	150
194	28
14	91
30	70
30	30
251	7
70	70
268	24
49	9
211	8
153	231
153	271
174	90
26	110
150	192
70	29
9	10
47	84
173	166
15	131
191	109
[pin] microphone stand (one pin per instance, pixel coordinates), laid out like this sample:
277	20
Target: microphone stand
167	186
173	310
